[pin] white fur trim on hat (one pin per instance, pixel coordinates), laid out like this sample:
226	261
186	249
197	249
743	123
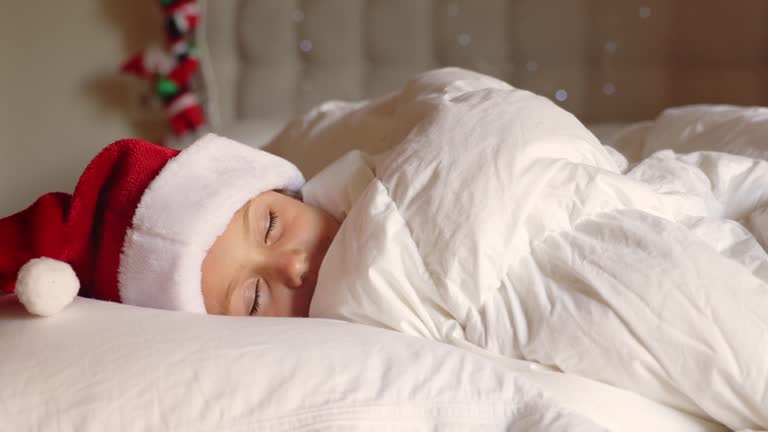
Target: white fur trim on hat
45	286
182	212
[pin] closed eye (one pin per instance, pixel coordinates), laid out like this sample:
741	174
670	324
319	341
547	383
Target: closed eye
256	295
272	223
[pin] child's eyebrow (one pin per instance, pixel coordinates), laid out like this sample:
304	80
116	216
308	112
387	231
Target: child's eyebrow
228	297
236	277
247	218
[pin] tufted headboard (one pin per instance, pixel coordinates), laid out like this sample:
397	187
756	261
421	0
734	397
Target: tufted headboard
604	60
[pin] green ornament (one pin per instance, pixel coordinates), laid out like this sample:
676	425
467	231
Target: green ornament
166	88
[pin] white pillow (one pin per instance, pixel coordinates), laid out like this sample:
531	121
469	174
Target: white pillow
255	132
99	366
326	132
725	128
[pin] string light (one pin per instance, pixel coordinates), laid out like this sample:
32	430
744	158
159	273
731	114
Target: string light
464	39
305	45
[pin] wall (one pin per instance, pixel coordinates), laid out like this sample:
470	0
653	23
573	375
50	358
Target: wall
61	100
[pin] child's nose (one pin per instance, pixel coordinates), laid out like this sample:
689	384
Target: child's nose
293	264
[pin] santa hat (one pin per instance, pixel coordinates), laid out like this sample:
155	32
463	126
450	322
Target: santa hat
138	225
182	18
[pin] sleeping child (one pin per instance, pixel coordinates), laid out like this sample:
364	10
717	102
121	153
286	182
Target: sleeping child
494	221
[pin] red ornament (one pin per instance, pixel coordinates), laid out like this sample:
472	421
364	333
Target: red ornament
171	72
181	19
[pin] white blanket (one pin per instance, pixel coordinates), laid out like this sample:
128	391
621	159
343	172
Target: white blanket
499	221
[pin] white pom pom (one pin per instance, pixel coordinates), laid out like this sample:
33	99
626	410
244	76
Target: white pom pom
45	286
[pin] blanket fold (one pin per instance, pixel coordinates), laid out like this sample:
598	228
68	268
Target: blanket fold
497	219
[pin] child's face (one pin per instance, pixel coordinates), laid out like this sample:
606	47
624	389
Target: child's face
266	261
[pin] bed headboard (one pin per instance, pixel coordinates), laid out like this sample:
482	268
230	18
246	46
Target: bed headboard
604	60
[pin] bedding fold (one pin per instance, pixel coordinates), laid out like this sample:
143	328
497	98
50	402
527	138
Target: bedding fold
497	219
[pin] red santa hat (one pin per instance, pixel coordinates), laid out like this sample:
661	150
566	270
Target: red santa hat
138	225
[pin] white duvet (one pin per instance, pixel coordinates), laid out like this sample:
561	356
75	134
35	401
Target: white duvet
498	222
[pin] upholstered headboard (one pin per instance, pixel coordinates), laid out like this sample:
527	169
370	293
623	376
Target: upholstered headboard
604	60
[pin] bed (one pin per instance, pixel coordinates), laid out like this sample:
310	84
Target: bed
103	366
609	63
